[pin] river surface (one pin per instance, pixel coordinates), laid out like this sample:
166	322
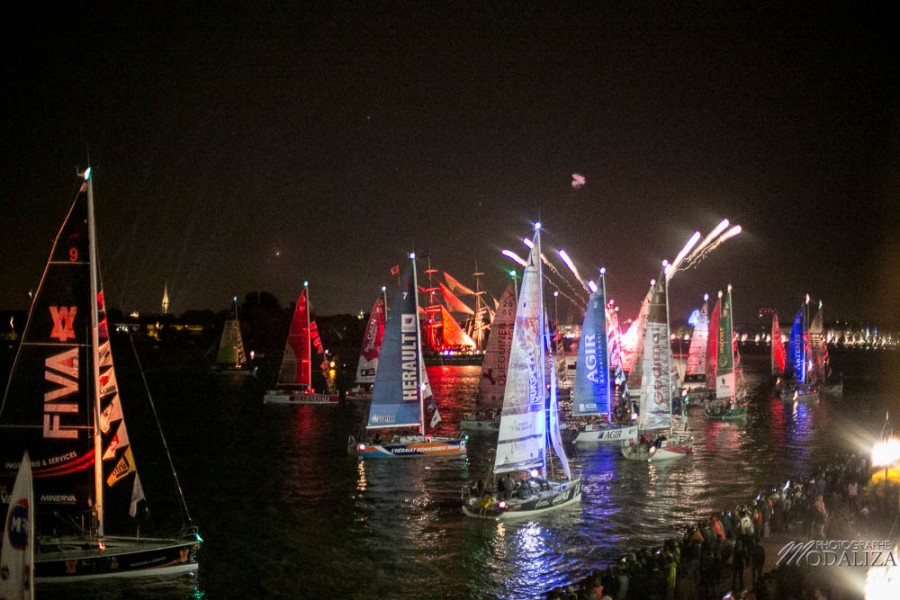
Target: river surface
285	513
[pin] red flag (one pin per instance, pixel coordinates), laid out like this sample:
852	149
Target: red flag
314	337
395	270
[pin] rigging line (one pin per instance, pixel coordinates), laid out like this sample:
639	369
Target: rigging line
577	303
184	507
554	270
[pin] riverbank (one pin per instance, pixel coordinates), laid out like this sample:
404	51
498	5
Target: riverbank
815	539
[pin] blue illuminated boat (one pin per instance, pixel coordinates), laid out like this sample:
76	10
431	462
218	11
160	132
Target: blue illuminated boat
403	413
802	385
529	423
602	418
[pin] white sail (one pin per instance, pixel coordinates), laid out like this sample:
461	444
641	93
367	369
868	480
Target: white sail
555	435
656	384
523	422
696	362
17	551
371	345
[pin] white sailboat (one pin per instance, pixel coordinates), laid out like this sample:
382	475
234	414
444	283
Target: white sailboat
294	381
369	352
62	404
529	423
17	550
489	398
695	375
403	409
231	359
660	434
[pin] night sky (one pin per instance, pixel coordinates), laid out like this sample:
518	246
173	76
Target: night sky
255	145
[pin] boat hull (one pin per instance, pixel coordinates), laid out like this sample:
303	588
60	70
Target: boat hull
670	450
410	447
731	415
76	560
363	396
472	424
726	413
459	359
560	494
605	435
802	394
232	371
832	389
275	397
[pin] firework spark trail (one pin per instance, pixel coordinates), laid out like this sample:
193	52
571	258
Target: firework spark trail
576	301
556	272
709	244
568	262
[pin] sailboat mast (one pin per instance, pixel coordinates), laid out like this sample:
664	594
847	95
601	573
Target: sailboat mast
95	354
669	383
609	401
542	357
805	340
419	390
308	366
237	331
480	310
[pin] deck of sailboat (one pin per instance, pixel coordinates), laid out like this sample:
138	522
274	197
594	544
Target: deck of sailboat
556	495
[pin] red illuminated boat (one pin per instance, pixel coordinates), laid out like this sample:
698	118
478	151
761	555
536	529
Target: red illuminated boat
294	382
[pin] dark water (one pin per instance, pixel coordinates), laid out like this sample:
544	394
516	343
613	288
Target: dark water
286	514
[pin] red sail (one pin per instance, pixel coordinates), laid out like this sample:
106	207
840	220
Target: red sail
295	366
779	355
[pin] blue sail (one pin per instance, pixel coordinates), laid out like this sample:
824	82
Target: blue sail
397	393
797	349
591	394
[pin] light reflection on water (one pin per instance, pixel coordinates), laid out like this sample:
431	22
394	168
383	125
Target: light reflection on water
287	514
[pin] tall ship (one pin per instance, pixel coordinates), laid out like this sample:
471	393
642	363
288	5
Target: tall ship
446	340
